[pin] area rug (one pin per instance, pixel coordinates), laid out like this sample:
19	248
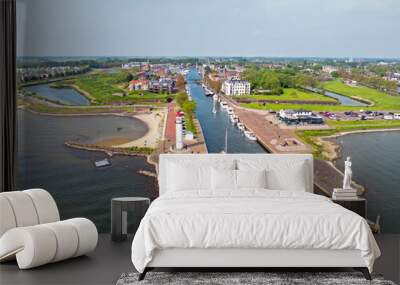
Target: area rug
244	278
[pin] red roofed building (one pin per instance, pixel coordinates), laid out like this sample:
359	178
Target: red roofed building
138	85
231	74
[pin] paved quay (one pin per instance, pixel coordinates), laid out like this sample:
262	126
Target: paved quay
269	134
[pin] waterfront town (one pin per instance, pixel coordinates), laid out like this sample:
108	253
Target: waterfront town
200	105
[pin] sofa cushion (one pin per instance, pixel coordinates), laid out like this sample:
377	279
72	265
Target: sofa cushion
7	220
23	208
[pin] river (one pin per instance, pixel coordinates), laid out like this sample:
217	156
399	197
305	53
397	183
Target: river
376	165
79	188
215	125
65	96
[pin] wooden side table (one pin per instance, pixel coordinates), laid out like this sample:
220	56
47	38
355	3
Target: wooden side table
357	205
119	215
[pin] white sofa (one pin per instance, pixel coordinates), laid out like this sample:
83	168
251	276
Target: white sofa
31	231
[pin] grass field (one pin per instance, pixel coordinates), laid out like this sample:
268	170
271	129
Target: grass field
344	126
381	101
309	137
292	94
313	107
99	87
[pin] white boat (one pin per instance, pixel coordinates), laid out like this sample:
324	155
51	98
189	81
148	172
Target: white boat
240	126
230	111
234	119
225	151
208	92
250	135
224	105
102	163
215	97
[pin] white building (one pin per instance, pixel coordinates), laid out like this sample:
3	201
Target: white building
294	114
329	69
236	87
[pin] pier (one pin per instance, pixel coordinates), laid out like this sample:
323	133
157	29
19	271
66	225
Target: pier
269	135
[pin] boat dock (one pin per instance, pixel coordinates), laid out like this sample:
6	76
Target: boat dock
268	134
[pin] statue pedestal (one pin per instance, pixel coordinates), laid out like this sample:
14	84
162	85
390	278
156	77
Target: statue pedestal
344	194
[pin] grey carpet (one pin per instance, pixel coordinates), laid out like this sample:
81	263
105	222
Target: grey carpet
243	278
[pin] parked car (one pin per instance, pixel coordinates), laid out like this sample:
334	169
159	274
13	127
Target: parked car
388	117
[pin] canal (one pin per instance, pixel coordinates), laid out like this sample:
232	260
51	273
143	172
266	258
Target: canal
215	125
344	100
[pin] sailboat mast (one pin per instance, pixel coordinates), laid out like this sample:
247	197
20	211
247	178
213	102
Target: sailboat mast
226	140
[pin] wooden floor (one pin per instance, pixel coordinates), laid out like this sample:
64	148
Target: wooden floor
110	260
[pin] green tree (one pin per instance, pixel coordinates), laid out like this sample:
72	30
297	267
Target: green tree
189	107
181	98
270	81
335	74
129	77
303	80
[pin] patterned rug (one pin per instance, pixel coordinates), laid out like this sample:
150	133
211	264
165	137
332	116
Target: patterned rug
244	278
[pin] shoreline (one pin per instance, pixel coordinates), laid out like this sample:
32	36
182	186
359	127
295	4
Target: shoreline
152	137
154	122
334	149
110	151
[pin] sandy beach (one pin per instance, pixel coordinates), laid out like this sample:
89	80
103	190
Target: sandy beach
155	122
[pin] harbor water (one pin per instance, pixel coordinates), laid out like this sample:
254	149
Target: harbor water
376	165
79	188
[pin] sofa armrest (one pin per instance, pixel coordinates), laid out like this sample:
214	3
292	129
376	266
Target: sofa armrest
41	244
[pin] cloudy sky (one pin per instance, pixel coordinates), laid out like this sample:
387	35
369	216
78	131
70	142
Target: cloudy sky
340	28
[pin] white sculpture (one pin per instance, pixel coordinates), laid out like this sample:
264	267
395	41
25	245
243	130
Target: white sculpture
347	174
